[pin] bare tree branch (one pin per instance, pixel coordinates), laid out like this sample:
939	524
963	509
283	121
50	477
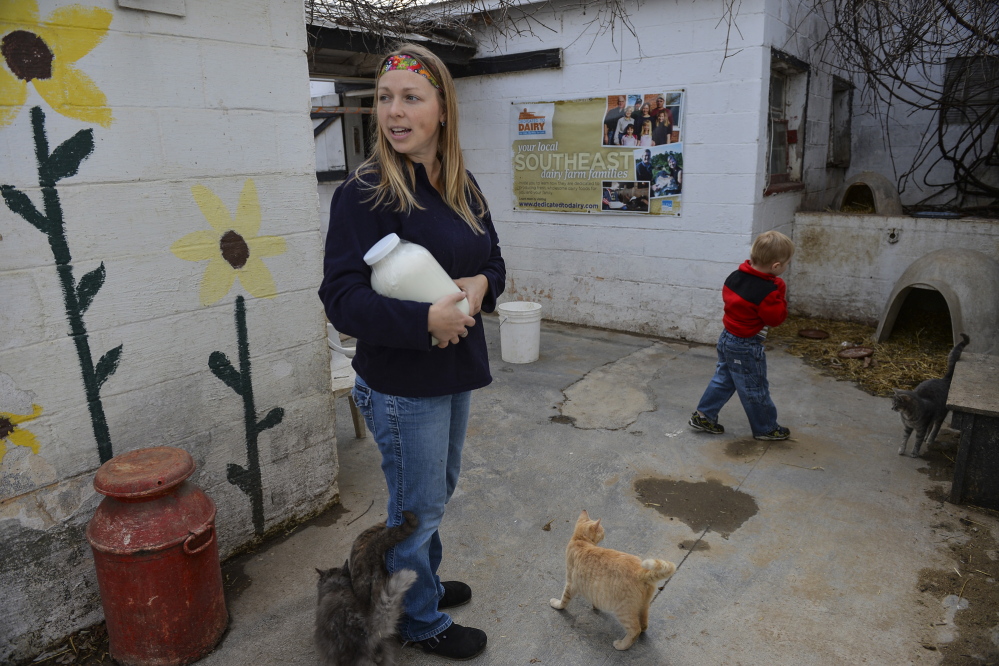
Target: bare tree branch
937	56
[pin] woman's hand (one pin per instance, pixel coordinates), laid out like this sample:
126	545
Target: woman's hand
475	289
446	322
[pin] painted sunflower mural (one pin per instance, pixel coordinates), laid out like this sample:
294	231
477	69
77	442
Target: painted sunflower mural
44	54
234	250
13	434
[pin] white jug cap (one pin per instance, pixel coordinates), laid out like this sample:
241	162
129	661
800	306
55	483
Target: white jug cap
381	249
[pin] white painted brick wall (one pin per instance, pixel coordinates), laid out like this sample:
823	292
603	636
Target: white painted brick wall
846	268
214	99
655	274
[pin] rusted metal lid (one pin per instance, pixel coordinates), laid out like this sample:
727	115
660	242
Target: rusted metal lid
813	333
144	473
856	352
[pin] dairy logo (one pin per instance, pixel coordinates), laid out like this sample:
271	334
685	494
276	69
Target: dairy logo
534	121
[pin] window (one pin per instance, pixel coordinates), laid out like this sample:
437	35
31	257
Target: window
786	122
840	119
971	88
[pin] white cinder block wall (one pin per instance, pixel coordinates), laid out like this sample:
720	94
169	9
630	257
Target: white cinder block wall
848	265
657	275
219	99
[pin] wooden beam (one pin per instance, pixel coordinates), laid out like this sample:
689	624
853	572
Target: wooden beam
339	39
512	62
331	176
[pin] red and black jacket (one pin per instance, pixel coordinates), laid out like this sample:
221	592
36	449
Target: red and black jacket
753	300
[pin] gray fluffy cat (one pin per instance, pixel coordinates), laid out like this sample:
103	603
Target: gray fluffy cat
359	604
923	409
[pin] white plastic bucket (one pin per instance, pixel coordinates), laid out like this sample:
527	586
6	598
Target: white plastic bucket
520	331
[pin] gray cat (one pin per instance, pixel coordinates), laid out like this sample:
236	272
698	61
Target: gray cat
359	604
923	409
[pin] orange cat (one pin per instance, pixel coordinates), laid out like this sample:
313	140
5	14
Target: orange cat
613	581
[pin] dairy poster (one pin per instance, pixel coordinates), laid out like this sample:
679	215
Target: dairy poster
619	154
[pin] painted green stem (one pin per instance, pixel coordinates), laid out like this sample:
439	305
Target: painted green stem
63	162
248	479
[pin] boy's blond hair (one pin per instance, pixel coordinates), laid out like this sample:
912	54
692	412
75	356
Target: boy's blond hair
771	247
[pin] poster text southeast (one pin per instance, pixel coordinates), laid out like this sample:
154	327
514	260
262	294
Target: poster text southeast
575	165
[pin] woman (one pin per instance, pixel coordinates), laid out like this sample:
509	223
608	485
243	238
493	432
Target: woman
676	173
415	397
662	133
644	116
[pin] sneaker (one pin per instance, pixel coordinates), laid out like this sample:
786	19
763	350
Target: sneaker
456	593
456	642
698	422
780	433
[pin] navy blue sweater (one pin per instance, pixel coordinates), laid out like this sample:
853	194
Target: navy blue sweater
394	354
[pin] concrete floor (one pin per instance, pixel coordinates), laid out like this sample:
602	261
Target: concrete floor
824	570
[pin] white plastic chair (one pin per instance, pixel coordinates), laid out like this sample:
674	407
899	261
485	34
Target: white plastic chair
343	375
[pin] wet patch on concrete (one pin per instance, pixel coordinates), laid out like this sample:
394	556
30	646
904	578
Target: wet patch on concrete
938	493
698	504
938	467
329	517
967	593
563	419
235	581
753	448
939	459
694	545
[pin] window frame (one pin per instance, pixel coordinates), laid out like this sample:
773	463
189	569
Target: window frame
840	124
788	111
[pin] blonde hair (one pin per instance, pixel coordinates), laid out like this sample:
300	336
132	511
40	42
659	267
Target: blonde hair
647	125
771	247
396	174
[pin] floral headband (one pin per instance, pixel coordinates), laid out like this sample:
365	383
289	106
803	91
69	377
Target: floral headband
408	62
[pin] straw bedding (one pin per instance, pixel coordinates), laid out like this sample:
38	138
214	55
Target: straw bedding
917	350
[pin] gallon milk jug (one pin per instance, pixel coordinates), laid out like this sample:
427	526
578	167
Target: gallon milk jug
407	271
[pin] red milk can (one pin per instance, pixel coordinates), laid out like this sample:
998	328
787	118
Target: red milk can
157	559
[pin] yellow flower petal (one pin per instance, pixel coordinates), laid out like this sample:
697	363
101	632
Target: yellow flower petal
217	280
197	246
256	279
212	208
13	95
74	94
73	31
19	12
36	411
19	437
24	438
247	222
266	246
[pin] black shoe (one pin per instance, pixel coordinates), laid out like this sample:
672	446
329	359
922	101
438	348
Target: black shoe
698	422
456	593
780	433
456	642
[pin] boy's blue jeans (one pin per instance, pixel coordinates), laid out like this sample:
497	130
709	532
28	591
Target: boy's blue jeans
742	369
420	440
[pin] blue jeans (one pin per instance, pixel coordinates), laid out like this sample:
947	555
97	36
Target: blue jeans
742	368
420	440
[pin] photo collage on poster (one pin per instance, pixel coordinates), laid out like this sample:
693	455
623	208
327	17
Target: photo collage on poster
650	123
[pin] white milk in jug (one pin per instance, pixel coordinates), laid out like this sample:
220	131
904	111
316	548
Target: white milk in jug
407	271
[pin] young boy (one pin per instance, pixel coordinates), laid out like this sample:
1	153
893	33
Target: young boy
754	298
